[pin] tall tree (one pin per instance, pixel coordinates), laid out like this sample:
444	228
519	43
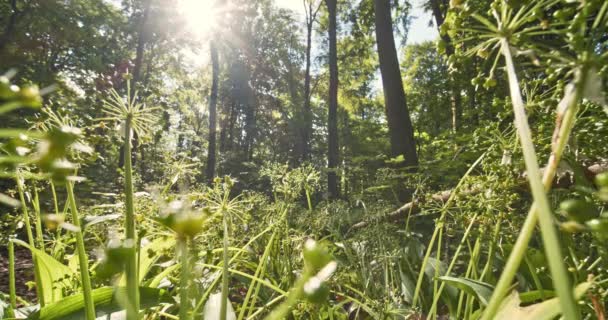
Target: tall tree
141	42
137	65
400	126
332	119
11	23
210	170
439	10
311	8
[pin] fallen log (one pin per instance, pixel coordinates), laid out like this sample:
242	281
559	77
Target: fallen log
413	207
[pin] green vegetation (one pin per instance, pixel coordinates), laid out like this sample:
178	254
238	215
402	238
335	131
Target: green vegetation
236	160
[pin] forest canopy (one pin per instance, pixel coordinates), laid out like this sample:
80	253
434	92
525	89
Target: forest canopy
303	159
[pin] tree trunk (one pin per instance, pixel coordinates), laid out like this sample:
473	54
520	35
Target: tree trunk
455	99
9	30
141	43
311	15
210	170
139	58
399	123
332	121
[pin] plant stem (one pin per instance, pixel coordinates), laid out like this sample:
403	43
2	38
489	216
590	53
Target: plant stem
438	226
308	199
489	263
565	122
255	287
56	207
437	292
11	277
282	311
225	265
82	256
54	192
36	205
210	288
31	242
131	265
540	209
184	303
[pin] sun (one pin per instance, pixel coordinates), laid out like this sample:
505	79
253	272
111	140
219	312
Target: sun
199	15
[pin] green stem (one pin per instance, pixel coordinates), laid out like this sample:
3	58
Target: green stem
83	260
462	294
10	106
489	263
12	292
36	205
184	303
55	202
308	199
437	293
282	311
225	273
438	226
31	242
211	287
56	207
559	274
255	286
131	265
565	123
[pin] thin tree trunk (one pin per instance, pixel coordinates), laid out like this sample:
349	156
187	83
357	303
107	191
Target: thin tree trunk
399	122
9	30
141	43
139	57
455	99
311	15
210	170
332	121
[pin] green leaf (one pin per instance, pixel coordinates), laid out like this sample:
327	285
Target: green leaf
481	290
55	277
545	310
536	295
155	282
107	301
149	254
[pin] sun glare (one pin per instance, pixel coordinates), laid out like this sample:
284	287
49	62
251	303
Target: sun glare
199	15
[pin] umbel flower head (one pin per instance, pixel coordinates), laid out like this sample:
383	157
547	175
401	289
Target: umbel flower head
121	109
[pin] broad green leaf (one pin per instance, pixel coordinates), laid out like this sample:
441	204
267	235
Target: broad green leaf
408	285
55	277
149	254
106	301
545	310
481	290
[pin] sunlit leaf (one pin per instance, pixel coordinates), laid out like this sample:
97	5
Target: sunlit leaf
545	310
55	277
213	306
481	290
